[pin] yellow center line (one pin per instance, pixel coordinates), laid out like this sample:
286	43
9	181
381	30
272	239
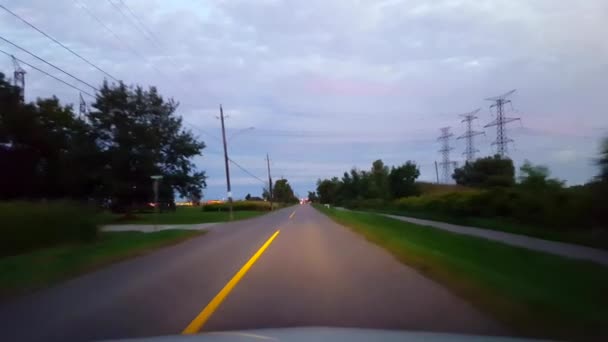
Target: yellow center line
198	322
291	216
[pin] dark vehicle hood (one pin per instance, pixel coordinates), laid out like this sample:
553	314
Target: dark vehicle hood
305	334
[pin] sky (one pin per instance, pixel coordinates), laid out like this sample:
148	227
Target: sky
331	85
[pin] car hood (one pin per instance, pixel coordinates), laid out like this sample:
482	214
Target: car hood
305	334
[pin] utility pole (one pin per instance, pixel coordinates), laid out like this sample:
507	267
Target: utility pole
445	153
470	150
437	172
269	181
502	141
19	78
226	163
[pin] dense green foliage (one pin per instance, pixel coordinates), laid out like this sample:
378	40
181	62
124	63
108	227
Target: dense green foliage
486	172
282	192
238	205
25	226
358	187
536	293
536	200
49	152
44	267
565	208
312	197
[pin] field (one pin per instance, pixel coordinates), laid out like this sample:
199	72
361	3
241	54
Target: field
41	268
183	215
535	293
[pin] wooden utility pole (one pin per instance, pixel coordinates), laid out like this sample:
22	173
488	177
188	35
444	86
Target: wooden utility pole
269	181
226	163
437	172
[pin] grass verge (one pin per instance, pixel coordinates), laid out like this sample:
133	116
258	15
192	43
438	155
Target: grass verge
185	215
537	294
38	269
596	239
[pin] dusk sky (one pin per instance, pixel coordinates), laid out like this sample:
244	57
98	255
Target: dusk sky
330	85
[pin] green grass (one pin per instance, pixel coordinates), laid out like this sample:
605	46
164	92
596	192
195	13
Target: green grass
597	239
183	215
536	294
38	269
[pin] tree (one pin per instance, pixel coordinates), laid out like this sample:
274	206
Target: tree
486	172
266	194
312	197
327	190
599	189
379	185
248	197
47	151
282	192
603	161
140	135
536	178
402	180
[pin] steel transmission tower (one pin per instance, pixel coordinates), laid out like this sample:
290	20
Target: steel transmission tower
19	78
446	164
500	122
470	150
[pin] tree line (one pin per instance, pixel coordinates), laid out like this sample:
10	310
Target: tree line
491	190
380	182
47	151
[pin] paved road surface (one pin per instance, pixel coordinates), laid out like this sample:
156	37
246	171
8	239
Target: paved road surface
315	273
554	247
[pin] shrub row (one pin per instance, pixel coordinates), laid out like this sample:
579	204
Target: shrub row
26	225
239	205
563	208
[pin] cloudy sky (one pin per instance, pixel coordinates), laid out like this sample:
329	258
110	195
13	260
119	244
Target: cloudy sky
328	85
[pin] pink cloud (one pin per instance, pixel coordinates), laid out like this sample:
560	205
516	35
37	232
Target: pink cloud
350	87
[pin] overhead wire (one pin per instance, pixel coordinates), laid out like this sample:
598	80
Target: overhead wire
132	23
49	63
84	7
247	172
58	42
46	73
140	22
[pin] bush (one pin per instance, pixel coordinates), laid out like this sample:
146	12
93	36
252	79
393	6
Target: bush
26	225
239	205
551	208
372	203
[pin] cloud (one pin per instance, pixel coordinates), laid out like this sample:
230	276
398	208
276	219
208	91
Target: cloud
335	84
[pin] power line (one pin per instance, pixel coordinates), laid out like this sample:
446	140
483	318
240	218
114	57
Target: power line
58	42
84	7
141	23
247	172
131	22
48	63
127	45
46	73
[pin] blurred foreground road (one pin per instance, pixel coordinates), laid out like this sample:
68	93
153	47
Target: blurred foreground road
314	273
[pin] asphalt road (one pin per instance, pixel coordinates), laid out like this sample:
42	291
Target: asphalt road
314	273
